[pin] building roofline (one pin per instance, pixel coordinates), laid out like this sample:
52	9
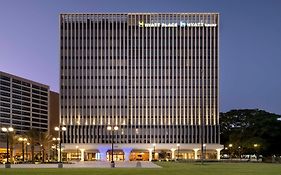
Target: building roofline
25	79
144	13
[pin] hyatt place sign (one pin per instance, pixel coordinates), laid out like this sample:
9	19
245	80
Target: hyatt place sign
180	24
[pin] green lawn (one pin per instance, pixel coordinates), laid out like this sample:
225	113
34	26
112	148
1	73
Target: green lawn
168	169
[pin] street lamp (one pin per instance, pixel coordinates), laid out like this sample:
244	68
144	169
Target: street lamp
112	129
154	150
239	152
27	144
56	140
41	152
256	149
22	140
178	145
230	150
7	130
58	129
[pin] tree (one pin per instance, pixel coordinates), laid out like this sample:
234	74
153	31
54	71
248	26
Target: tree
32	136
13	139
44	140
247	127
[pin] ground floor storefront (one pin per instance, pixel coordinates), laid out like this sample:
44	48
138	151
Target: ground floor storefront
139	152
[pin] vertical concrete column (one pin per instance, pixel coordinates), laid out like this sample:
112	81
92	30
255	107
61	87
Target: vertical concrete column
68	156
58	154
173	153
82	154
185	155
127	152
150	154
218	153
103	154
195	153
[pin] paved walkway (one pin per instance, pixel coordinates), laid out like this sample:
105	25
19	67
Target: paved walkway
89	164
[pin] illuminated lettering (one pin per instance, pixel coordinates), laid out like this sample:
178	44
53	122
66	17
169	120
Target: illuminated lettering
180	24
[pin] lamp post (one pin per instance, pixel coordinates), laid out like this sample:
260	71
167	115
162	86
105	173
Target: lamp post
112	129
27	144
7	130
22	140
41	152
239	152
178	145
60	129
230	150
56	140
53	151
154	151
256	149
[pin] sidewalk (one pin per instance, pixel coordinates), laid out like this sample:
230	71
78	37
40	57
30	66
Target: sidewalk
88	164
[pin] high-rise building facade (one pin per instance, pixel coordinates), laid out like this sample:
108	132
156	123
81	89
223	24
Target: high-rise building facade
24	104
154	75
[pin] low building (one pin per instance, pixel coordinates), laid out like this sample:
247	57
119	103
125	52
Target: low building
24	104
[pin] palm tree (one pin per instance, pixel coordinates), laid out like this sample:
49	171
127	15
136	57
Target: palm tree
13	139
32	136
44	140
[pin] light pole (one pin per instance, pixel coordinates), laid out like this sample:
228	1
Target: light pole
178	145
154	151
27	144
53	151
230	150
112	129
22	140
60	129
239	152
256	149
7	130
56	140
41	150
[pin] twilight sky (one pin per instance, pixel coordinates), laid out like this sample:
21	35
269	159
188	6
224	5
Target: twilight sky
250	42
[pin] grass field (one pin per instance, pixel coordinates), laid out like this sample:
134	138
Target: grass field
169	168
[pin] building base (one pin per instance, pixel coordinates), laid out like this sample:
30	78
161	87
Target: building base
140	152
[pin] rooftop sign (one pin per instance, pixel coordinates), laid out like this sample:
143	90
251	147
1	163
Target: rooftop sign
180	24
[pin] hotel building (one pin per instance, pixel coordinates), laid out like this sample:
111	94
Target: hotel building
24	104
154	75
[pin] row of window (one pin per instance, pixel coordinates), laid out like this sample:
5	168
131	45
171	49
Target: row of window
17	122
35	88
128	97
26	117
132	78
135	46
96	134
109	106
120	33
140	87
23	96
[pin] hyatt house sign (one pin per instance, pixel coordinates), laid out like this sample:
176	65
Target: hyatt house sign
180	24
